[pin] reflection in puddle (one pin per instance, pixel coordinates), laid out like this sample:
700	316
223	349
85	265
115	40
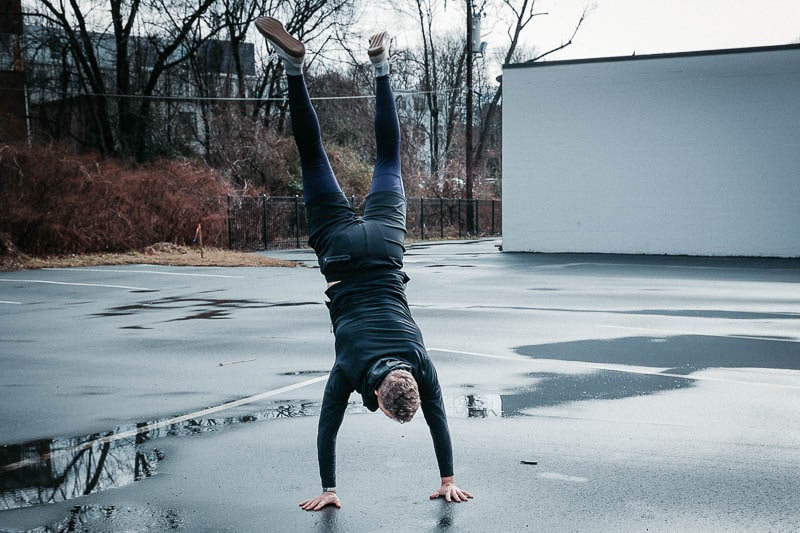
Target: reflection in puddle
55	470
112	518
474	406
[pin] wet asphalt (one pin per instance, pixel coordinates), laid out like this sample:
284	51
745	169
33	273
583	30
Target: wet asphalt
584	393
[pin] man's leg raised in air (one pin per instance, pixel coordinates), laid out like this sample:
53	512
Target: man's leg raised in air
387	175
318	177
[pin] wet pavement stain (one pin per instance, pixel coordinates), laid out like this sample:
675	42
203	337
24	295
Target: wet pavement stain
195	308
681	354
686	313
711	313
555	389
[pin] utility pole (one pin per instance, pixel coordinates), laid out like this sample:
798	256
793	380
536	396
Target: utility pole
474	46
468	132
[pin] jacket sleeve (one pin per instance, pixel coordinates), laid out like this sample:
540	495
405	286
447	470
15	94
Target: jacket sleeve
433	410
334	404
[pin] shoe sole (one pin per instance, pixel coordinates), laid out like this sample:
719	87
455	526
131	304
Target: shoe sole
273	30
377	43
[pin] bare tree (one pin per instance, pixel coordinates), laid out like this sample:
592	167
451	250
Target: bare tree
311	21
139	41
248	139
523	13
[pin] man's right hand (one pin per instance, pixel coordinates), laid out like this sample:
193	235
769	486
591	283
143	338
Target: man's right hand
323	500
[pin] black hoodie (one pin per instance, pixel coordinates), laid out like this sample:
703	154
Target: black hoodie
376	334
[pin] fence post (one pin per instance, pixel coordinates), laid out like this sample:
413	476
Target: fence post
492	216
297	220
441	218
459	218
230	230
477	217
265	214
422	219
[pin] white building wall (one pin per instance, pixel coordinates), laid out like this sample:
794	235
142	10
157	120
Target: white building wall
694	154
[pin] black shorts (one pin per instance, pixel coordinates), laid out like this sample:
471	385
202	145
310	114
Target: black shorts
348	245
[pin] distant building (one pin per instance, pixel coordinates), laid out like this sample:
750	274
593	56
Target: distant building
12	73
684	154
59	99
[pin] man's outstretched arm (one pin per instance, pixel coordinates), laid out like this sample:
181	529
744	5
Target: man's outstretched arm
334	405
433	410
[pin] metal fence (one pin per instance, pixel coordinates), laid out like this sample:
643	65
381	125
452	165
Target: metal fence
274	222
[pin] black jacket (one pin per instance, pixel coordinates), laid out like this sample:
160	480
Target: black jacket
376	334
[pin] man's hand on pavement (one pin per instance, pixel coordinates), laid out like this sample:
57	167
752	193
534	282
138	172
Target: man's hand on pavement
450	492
323	500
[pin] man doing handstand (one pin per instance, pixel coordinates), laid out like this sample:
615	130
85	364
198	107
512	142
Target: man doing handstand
379	348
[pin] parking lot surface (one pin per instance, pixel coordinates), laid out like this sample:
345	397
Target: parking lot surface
584	393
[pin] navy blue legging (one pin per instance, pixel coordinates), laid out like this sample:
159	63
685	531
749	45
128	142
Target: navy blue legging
318	177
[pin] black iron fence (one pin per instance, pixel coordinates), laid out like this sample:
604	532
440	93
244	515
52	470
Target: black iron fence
274	222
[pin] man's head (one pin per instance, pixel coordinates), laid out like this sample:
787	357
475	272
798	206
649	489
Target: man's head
398	395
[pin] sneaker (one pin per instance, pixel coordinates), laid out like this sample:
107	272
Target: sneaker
289	49
378	47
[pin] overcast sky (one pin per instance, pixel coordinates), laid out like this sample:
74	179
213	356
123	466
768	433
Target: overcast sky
620	27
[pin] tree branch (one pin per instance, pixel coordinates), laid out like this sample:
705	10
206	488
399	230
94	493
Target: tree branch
563	45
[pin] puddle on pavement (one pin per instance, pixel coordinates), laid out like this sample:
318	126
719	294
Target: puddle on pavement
60	469
554	389
196	308
113	518
681	354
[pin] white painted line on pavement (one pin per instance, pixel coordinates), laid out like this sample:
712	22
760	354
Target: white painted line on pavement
162	423
160	272
621	368
704	334
484	355
77	284
10	303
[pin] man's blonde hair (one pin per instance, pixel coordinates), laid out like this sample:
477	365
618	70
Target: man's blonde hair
399	394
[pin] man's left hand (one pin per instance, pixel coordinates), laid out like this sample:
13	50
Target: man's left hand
450	492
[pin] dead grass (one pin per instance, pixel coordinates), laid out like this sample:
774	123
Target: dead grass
157	254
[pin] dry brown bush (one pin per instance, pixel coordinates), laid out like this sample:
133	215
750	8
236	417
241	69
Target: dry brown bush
53	201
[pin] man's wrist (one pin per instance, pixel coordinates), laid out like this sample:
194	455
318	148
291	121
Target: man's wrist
329	489
449	480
